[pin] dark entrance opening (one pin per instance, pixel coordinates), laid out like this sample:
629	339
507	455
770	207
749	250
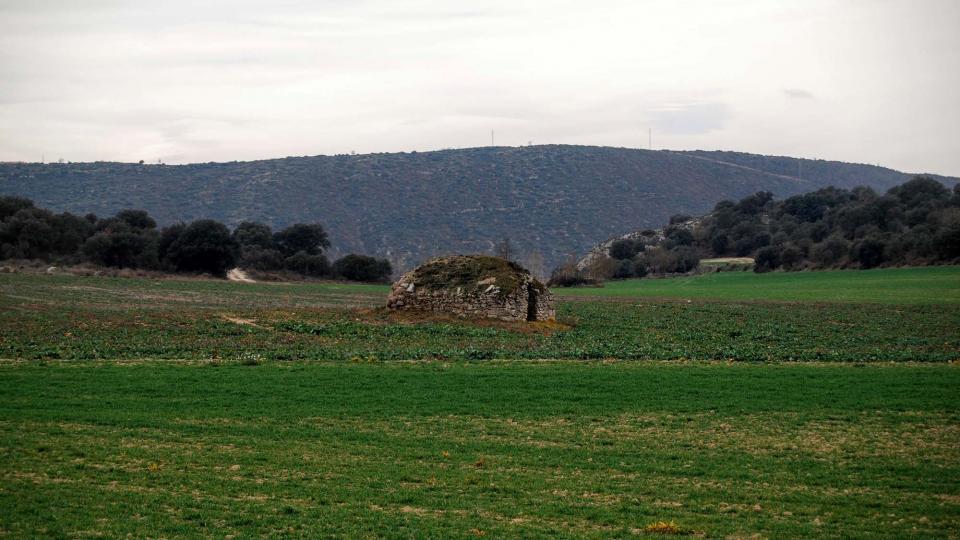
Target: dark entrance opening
531	303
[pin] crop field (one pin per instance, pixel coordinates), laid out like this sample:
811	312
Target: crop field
435	449
808	405
930	285
90	318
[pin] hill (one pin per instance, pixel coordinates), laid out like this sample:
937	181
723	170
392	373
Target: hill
550	201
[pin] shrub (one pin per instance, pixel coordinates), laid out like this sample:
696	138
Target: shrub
869	251
676	236
309	238
687	259
362	268
250	234
830	252
754	204
719	245
791	257
11	205
767	259
624	269
623	249
601	268
568	275
203	246
306	264
640	266
919	190
72	232
948	241
122	247
168	235
137	219
255	258
671	261
28	234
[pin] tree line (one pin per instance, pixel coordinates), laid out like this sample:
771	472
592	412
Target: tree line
131	239
915	223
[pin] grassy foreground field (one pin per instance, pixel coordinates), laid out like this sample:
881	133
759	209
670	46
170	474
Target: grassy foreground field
551	450
203	408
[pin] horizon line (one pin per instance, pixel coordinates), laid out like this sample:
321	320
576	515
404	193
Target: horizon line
453	149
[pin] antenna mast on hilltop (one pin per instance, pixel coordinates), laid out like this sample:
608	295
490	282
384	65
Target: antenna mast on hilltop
491	138
650	138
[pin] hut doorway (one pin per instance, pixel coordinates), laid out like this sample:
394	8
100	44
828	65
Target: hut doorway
531	303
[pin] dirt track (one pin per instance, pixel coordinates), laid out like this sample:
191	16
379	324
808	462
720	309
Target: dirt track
239	275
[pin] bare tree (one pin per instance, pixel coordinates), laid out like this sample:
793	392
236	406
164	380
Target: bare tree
536	264
504	249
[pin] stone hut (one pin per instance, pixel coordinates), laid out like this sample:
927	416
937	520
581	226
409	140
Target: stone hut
475	286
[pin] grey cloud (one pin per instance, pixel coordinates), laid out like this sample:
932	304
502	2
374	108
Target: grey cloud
797	93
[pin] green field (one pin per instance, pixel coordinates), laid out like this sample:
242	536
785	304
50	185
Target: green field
463	449
932	285
197	408
88	318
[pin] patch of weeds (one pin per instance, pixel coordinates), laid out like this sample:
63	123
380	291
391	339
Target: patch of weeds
250	359
667	528
472	353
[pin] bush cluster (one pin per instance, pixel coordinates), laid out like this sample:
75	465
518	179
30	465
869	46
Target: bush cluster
569	275
673	254
131	239
914	223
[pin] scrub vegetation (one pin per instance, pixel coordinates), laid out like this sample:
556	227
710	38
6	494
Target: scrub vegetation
916	223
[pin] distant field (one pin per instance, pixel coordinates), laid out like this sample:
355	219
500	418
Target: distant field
36	291
726	264
931	285
460	450
77	318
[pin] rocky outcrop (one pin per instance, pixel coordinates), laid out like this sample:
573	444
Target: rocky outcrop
649	237
473	286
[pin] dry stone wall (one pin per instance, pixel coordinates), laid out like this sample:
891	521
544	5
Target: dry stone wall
526	299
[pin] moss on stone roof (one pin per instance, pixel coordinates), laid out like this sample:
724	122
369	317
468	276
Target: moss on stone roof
466	271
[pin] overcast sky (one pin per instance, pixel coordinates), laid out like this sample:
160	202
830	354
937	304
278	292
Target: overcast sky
188	81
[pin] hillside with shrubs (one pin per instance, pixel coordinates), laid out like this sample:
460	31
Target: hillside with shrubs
550	201
912	224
